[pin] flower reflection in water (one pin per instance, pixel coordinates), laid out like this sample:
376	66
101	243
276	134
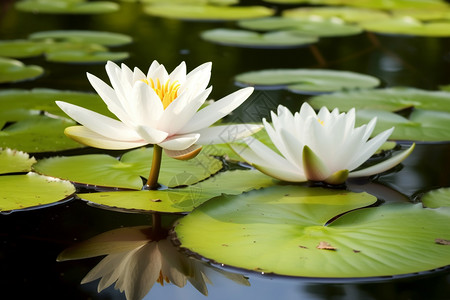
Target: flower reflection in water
137	257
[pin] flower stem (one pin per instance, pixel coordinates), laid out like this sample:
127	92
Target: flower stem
152	182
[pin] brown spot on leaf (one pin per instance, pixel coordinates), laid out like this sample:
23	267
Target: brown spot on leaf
303	247
356	251
156	200
325	246
225	245
442	242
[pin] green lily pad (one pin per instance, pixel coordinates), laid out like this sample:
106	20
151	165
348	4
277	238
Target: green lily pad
282	230
12	161
423	14
82	56
207	12
348	14
409	26
21	48
307	81
389	99
12	70
38	134
83	36
251	39
190	2
32	191
105	170
317	27
437	198
183	199
422	125
17	104
66	6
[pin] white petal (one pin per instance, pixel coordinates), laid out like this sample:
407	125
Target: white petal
181	111
196	81
210	114
152	68
226	133
369	149
384	165
147	107
179	142
178	74
98	123
138	75
88	137
150	134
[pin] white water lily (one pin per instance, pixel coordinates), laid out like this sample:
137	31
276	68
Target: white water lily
318	147
157	108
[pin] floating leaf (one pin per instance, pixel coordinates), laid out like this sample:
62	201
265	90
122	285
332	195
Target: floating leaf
38	134
250	39
16	104
348	14
66	6
81	56
82	36
105	170
207	12
316	27
277	229
423	14
21	48
422	125
12	161
307	80
390	99
31	191
183	199
409	26
12	70
437	198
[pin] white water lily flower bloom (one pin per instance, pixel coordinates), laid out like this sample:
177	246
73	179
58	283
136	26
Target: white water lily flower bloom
157	108
318	147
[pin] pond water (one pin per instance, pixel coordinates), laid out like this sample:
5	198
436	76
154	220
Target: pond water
31	240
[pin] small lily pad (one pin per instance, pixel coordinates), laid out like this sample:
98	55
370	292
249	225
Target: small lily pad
422	125
128	173
251	39
21	48
409	26
12	70
32	191
12	161
207	12
287	231
389	99
38	134
83	36
66	6
82	56
307	81
317	27
348	14
437	198
16	104
183	199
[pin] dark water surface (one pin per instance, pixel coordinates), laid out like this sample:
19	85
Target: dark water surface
31	240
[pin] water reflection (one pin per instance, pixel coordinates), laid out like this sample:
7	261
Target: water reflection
138	257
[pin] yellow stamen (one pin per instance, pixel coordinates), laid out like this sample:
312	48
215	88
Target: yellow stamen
162	278
166	92
320	121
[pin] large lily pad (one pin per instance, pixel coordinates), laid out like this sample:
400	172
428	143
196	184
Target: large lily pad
207	12
282	230
16	104
32	191
183	199
348	14
390	99
38	134
422	125
21	48
12	161
305	26
409	26
437	198
128	173
83	36
307	80
66	6
12	70
251	39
